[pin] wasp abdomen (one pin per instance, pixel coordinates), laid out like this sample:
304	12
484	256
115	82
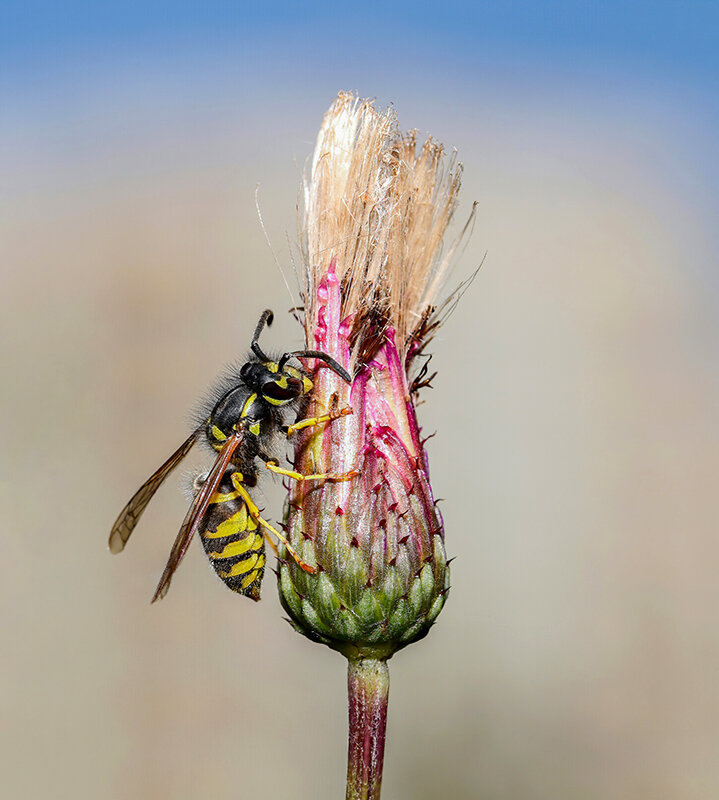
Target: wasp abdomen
233	541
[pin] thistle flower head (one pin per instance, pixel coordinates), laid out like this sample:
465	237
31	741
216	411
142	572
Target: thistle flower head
377	206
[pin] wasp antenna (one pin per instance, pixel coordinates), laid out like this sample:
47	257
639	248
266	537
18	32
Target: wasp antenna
331	363
265	319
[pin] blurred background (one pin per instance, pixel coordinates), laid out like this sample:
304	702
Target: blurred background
576	406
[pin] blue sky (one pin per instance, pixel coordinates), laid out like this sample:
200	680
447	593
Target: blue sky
661	38
64	65
657	61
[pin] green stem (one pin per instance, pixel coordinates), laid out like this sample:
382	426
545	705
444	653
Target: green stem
368	693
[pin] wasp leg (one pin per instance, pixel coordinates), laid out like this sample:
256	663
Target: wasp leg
254	512
273	465
312	421
273	545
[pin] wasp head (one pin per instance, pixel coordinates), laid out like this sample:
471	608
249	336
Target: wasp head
275	382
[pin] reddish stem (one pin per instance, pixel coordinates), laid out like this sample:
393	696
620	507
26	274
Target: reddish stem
368	693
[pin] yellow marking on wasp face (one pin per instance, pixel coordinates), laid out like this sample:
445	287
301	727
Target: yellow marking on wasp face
255	428
272	366
218	434
283	383
241	567
238	548
246	408
307	384
223	498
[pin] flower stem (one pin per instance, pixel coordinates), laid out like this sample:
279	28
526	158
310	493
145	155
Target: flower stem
368	693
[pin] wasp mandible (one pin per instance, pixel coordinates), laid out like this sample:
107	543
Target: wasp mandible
250	410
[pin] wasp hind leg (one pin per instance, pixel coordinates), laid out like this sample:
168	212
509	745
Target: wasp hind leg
269	539
254	512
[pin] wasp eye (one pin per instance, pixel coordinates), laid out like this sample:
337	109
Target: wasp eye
274	391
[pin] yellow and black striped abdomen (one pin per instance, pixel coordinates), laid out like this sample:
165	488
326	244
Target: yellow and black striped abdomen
233	541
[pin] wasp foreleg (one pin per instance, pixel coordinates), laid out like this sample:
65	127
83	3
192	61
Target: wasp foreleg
273	465
312	421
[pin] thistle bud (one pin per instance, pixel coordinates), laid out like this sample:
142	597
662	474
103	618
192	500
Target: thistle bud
376	208
376	540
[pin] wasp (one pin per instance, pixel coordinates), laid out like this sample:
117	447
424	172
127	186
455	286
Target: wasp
249	412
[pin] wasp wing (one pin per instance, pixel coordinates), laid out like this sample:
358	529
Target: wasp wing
195	514
129	516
